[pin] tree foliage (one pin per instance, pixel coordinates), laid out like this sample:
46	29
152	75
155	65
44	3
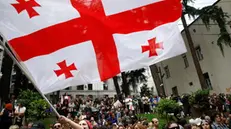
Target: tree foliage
135	77
199	99
216	15
37	107
145	90
132	78
167	106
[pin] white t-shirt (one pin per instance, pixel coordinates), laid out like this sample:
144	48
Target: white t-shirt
145	100
20	110
128	101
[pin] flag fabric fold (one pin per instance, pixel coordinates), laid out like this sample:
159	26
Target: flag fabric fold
73	42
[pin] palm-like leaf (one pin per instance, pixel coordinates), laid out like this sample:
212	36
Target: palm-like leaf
135	77
208	14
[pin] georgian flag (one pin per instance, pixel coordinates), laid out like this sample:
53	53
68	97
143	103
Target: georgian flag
65	43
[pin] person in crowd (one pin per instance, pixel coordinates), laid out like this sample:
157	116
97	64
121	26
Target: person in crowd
71	106
19	114
217	122
146	104
206	124
85	124
150	125
64	107
172	125
112	118
93	122
14	127
30	125
6	117
139	126
129	103
57	126
155	123
38	125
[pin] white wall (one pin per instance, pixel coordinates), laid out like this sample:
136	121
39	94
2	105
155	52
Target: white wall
97	90
214	63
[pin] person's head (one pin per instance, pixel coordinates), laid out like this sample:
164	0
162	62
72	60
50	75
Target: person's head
139	126
85	124
112	115
150	125
14	127
207	118
30	125
57	126
121	127
114	126
155	122
172	125
187	126
76	120
205	124
195	126
223	119
216	117
69	115
9	106
20	104
38	126
13	96
65	102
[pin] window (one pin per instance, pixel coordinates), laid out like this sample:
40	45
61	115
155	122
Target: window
208	81
186	64
80	87
167	72
105	86
175	91
68	88
89	86
199	53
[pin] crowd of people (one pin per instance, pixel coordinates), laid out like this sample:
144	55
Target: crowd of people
110	113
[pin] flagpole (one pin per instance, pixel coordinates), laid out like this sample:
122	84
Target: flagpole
27	74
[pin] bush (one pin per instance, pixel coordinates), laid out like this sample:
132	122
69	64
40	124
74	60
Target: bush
200	100
199	97
37	107
166	106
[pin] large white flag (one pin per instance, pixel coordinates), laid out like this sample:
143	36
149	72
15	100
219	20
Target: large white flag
65	43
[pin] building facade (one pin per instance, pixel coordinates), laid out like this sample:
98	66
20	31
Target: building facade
95	90
106	88
180	73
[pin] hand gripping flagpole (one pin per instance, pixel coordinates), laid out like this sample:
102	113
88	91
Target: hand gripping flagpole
27	74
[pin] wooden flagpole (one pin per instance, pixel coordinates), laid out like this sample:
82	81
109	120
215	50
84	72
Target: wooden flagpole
27	74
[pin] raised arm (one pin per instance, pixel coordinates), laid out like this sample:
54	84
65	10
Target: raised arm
73	125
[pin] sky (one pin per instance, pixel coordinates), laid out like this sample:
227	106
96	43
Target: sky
197	4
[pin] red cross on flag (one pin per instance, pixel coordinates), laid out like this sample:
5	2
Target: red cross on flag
65	43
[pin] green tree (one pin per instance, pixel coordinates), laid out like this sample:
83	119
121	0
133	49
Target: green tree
136	77
132	78
166	106
37	108
215	14
199	102
208	13
145	90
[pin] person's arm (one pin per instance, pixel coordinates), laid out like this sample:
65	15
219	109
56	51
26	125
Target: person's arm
2	112
73	125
